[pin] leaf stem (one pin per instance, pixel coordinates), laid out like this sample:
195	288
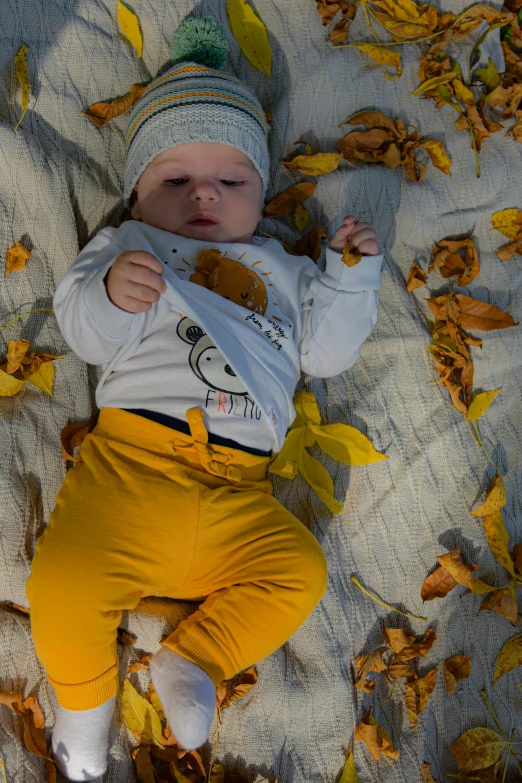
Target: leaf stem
508	755
383	603
475	423
2	765
379	704
490	707
39	310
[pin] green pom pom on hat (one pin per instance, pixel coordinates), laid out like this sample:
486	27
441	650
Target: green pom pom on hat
201	41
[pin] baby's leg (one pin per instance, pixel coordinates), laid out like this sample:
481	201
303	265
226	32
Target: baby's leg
111	540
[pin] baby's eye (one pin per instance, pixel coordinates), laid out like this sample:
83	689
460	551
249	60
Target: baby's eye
231	182
176	181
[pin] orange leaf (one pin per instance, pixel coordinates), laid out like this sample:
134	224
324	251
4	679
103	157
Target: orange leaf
396	670
398	638
102	113
516	556
16	258
71	436
228	691
376	738
439	584
452	562
419	648
286	201
416	277
458	667
427	777
16	351
503	602
474	314
418	694
509	250
310	243
351	255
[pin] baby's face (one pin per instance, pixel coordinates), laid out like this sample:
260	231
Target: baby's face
203	177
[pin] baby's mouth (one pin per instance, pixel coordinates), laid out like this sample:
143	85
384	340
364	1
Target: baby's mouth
202	220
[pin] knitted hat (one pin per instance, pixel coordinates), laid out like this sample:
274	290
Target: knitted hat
195	101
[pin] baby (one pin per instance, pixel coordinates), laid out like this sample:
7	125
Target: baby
202	330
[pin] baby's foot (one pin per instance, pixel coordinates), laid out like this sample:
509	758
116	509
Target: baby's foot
187	694
80	741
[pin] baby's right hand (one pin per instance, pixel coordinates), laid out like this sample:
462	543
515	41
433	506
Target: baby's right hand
134	281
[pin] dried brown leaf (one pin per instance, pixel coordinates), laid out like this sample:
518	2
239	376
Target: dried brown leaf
286	201
418	694
101	113
458	667
416	277
376	738
477	749
503	602
16	258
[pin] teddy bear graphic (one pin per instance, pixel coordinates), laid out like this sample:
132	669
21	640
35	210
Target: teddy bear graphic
230	279
206	362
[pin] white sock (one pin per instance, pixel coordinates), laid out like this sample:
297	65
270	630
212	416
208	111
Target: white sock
80	741
187	694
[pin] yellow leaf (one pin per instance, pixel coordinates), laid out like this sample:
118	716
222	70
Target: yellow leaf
9	386
250	33
130	27
495	500
498	539
481	403
508	658
300	217
22	74
477	749
139	715
427	85
351	255
438	155
453	564
315	165
16	351
43	378
320	481
349	773
463	93
307	407
508	222
382	56
285	463
16	258
346	444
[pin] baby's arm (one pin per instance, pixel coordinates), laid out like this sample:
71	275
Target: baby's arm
94	322
339	308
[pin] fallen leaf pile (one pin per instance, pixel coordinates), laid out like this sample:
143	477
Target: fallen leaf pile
23	364
341	441
390	142
393	660
32	716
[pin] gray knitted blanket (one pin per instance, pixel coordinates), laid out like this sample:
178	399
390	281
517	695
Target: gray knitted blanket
61	180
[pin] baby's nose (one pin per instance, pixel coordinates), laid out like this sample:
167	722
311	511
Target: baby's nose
205	189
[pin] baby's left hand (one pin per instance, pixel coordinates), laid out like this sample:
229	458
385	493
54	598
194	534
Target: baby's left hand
361	235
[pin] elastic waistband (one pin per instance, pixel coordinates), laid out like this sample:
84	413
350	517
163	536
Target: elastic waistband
183	426
192	449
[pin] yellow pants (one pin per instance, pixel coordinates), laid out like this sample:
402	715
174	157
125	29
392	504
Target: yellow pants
149	511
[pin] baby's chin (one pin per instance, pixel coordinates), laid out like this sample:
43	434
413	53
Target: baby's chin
216	233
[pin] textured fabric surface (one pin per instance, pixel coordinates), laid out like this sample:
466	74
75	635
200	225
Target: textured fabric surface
62	180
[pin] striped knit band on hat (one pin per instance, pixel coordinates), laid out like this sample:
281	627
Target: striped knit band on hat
195	101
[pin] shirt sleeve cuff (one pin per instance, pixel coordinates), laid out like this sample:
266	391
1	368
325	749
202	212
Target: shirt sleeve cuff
112	320
364	276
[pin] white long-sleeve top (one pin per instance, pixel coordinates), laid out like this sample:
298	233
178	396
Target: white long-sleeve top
196	347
